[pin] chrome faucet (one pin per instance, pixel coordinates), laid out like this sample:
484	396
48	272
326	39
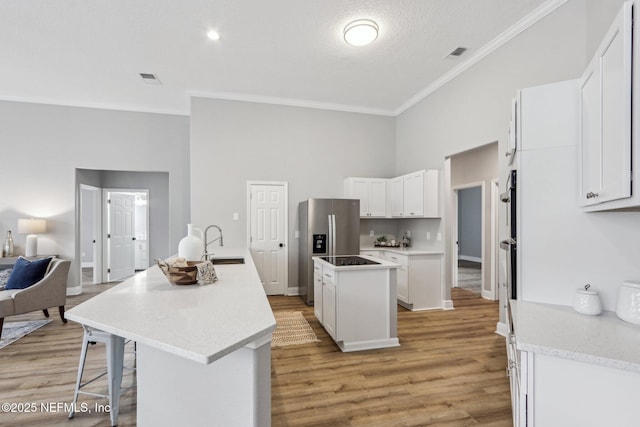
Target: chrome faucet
207	255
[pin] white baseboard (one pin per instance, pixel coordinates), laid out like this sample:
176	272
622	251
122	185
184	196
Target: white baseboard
75	290
447	304
488	295
292	291
469	258
501	329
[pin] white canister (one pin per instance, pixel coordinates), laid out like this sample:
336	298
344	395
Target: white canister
587	302
191	246
629	302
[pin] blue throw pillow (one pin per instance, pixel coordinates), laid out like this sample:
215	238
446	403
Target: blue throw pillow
25	273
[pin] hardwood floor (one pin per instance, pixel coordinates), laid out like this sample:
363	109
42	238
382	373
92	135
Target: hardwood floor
448	371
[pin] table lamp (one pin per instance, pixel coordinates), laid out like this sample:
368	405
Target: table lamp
31	227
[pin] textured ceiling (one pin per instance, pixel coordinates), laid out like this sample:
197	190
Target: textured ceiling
90	53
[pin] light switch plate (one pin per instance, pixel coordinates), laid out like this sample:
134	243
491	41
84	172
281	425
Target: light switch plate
428	235
439	236
371	233
235	216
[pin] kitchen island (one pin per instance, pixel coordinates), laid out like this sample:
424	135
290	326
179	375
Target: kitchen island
203	351
356	304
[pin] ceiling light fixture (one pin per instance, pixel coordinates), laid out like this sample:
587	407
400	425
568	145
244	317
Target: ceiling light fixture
361	32
213	35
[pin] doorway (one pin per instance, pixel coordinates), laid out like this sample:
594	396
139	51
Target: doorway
90	231
468	235
125	221
267	233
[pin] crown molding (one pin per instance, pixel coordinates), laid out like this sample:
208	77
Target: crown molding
290	102
526	22
96	105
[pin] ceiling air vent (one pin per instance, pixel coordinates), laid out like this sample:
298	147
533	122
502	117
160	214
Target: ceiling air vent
457	52
151	79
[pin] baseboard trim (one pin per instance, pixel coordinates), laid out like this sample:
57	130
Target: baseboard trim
74	290
447	304
470	258
501	329
488	295
291	292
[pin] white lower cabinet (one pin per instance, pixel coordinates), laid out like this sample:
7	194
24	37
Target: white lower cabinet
329	308
359	309
317	291
419	280
554	391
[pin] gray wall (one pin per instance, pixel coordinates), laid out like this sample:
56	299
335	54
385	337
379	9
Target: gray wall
159	206
470	223
43	145
313	150
474	108
158	185
479	165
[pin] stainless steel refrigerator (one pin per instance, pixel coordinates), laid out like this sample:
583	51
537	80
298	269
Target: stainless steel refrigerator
327	227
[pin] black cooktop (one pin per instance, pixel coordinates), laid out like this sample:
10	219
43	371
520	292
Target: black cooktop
348	260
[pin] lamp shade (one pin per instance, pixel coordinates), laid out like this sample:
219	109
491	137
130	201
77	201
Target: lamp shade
32	226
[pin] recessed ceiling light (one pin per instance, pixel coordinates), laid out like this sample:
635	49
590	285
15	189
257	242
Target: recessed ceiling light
360	32
213	35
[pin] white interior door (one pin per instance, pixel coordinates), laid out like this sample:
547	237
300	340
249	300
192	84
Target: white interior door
120	235
268	234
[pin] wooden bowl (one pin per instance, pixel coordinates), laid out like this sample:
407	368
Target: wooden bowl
181	275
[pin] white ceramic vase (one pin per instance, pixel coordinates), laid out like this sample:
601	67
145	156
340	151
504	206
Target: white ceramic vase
191	246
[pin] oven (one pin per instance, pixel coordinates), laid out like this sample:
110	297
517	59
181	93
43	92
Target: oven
510	245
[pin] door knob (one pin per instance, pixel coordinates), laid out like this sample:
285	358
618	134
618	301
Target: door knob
281	245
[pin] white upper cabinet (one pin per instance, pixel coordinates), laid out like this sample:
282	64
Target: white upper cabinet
396	196
606	99
415	195
372	193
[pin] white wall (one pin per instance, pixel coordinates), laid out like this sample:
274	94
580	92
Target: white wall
313	150
44	144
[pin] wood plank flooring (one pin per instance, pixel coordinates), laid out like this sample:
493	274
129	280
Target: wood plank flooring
449	371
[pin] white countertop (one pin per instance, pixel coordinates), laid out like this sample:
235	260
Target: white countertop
560	331
382	264
404	251
197	322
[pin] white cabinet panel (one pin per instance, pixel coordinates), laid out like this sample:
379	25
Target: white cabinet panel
317	292
415	195
372	193
329	307
605	88
419	279
396	200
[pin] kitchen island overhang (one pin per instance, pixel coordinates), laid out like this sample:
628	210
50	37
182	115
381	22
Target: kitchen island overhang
357	304
203	351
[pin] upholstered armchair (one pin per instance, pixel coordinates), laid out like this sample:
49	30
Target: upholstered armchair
50	291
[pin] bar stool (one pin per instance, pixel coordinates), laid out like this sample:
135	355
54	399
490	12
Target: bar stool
115	358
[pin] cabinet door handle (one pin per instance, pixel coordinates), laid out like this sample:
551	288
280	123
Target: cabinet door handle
592	195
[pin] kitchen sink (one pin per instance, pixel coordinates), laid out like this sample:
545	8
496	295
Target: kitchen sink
223	261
